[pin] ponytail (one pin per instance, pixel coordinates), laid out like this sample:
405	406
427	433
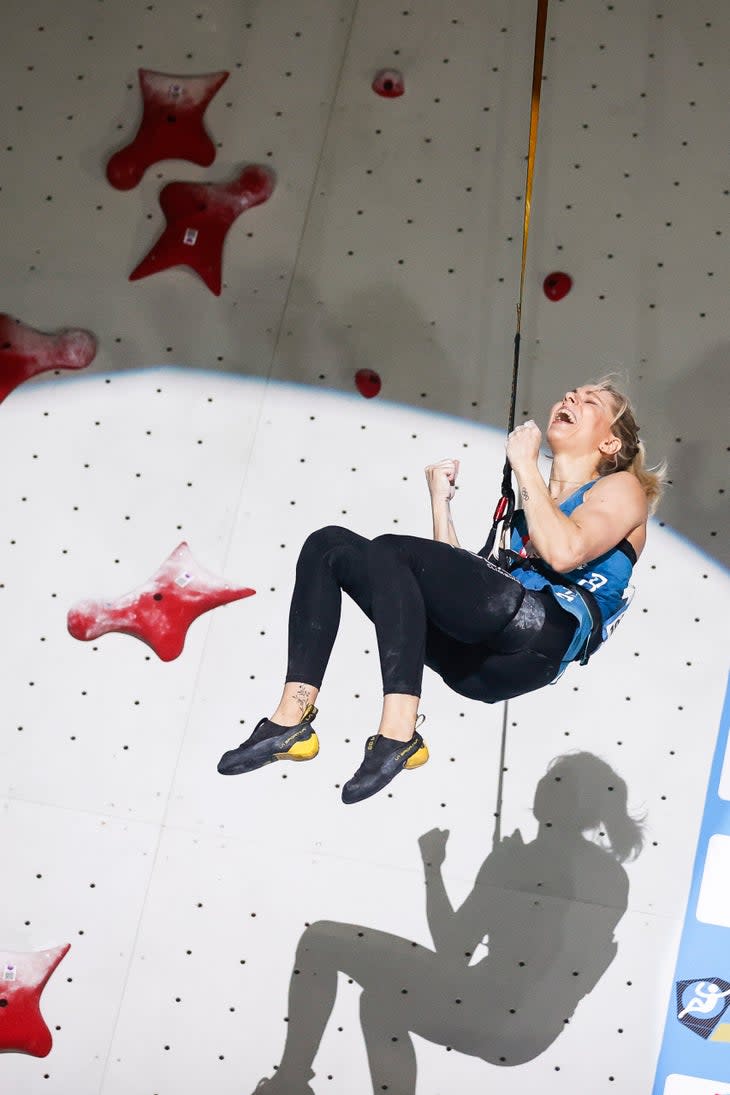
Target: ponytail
631	456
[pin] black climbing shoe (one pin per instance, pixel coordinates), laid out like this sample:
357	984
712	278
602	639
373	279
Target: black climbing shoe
384	759
270	742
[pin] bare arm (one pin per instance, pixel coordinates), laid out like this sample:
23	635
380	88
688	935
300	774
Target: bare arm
441	479
443	526
612	509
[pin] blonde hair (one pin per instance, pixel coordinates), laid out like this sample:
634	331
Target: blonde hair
632	454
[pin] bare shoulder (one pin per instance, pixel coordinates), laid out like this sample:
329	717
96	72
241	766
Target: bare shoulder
621	490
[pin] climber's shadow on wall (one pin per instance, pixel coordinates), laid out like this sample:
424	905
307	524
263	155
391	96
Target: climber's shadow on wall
543	912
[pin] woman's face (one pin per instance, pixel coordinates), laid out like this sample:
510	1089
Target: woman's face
581	422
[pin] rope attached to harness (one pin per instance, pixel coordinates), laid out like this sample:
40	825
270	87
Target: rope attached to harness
505	508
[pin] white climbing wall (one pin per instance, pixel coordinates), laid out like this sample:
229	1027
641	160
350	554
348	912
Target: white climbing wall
392	242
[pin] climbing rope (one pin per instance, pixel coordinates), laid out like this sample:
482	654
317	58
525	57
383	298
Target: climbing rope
505	509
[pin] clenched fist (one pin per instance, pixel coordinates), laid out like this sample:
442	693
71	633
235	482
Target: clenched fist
441	479
523	446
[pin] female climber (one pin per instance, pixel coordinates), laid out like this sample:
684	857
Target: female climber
489	634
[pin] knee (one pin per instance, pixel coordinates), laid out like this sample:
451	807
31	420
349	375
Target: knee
388	539
323	539
388	543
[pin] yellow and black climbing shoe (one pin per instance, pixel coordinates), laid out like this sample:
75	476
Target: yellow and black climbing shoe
270	742
384	759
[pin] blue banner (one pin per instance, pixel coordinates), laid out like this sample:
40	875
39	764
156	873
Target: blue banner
695	1055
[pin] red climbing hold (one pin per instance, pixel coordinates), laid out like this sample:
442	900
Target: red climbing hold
23	977
557	285
389	83
161	611
367	382
198	217
25	352
171	127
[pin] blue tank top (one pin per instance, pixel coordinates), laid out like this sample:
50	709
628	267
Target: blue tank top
605	577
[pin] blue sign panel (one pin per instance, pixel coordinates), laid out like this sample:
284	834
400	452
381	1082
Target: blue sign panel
695	1055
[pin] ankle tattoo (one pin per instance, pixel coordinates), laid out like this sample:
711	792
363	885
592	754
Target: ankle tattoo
301	697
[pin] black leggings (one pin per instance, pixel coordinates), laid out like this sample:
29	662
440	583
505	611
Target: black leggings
476	626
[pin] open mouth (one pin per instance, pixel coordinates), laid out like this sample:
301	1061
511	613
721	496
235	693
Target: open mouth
564	415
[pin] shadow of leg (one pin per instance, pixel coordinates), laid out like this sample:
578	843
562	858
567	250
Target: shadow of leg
391	1056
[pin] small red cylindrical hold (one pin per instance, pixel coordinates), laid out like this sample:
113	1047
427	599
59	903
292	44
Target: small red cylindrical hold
557	285
367	382
389	83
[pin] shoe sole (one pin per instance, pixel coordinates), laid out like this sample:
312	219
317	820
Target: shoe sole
301	750
418	758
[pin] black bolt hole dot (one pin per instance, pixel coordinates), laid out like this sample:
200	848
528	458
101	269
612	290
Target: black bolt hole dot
388	85
3	1003
171	119
157	597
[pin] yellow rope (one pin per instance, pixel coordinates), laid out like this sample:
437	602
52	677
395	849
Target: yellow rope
542	8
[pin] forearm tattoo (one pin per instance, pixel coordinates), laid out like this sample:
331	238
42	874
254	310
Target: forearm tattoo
524	495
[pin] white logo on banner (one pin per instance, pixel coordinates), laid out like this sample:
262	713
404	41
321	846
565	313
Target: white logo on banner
705	1001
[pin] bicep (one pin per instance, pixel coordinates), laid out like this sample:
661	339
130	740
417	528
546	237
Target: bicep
609	512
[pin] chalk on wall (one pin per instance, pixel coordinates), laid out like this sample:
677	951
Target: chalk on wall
198	217
23	977
160	611
171	128
25	352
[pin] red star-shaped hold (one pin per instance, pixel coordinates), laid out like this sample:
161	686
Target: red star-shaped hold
198	217
23	978
25	352
171	127
161	611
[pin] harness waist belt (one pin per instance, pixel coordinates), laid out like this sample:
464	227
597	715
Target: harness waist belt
512	561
